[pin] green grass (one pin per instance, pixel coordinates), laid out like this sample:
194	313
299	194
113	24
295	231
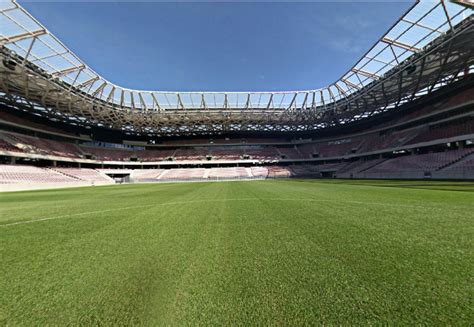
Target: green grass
282	252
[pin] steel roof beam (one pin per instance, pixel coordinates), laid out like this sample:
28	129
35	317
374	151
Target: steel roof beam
180	103
122	97
350	84
247	103
366	74
22	36
381	61
49	56
9	9
32	43
394	54
421	25
111	95
303	106
89	81
340	89
293	100
142	102
155	101
400	44
203	102
447	15
270	101
67	71
99	89
132	101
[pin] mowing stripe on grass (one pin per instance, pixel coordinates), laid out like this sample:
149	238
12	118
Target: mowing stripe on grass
210	200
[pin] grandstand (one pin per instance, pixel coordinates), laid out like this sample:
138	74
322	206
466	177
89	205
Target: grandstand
349	204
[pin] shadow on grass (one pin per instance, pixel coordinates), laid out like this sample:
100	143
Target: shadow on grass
460	186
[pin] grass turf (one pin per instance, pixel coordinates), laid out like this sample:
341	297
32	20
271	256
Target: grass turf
266	252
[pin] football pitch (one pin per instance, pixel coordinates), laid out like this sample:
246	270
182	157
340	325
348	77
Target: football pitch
281	252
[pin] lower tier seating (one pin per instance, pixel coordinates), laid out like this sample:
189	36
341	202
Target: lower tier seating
10	174
451	162
420	162
20	174
145	175
231	172
85	174
259	171
182	174
465	163
278	172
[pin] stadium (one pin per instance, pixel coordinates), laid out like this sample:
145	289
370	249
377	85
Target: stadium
347	204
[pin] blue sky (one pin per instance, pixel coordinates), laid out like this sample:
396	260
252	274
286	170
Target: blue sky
219	46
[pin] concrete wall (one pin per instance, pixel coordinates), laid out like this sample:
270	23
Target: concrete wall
461	174
458	174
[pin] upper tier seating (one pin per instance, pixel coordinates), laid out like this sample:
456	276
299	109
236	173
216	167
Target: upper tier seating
42	146
330	148
184	142
307	151
337	148
386	141
290	153
460	98
447	131
190	154
8	117
6	146
108	153
155	155
226	154
263	153
445	104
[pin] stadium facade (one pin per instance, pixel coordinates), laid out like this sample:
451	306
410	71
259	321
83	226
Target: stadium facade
404	110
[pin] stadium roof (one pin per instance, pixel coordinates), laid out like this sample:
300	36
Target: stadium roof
428	47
